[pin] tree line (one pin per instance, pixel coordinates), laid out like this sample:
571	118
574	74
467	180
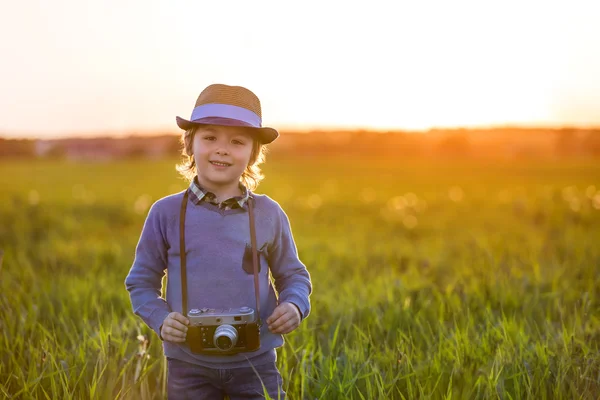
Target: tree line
493	142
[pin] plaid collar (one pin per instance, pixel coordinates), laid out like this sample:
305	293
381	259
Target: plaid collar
198	194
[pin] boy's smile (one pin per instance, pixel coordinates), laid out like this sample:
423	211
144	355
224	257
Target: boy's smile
222	153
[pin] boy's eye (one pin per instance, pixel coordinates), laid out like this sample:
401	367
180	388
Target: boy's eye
209	138
237	142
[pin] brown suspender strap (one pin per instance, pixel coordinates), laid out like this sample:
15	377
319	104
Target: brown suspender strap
254	255
183	256
184	308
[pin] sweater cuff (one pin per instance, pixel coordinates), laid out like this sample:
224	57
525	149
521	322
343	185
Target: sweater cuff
301	303
156	320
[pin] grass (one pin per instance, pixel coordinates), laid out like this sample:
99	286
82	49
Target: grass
432	279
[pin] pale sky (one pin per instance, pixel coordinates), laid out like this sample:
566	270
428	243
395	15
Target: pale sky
92	67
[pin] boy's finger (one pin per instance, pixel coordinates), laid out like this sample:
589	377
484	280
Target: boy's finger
276	319
178	317
177	325
278	312
289	326
173	332
281	321
172	338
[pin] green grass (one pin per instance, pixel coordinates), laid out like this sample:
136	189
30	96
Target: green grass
442	280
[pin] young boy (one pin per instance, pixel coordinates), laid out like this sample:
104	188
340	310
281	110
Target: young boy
223	145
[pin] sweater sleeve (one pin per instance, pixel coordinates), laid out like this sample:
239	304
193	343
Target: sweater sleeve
145	276
292	279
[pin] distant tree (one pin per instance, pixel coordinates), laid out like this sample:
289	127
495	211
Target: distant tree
566	142
17	148
591	143
454	145
135	151
58	151
174	147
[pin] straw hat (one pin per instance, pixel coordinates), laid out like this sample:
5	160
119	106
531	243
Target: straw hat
229	106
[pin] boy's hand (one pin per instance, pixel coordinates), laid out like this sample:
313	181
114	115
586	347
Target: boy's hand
285	318
174	328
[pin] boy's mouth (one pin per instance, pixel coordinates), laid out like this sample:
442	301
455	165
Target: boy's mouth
220	164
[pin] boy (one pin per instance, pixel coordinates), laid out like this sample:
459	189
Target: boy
223	145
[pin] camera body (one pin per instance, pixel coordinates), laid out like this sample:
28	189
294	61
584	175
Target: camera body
223	331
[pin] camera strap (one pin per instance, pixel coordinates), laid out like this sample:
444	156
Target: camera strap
254	255
183	256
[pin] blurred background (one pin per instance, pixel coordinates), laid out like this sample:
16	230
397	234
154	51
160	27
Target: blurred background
86	69
439	162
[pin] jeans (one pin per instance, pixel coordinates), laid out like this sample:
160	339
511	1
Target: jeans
191	381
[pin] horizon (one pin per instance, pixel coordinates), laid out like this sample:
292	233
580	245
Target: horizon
306	130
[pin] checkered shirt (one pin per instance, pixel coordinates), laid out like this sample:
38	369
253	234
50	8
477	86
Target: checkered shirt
198	194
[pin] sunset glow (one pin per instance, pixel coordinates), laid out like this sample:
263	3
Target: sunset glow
73	67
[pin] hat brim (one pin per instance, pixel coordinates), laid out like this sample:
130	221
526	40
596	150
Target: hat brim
265	135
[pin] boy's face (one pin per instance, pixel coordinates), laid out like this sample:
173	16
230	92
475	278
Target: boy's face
221	144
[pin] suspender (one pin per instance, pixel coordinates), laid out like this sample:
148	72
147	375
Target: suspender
254	255
183	255
184	307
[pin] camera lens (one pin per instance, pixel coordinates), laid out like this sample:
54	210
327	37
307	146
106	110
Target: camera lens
225	337
224	342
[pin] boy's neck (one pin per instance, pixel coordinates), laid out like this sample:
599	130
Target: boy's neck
222	192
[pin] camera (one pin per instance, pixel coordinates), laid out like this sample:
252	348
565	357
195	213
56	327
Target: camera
223	331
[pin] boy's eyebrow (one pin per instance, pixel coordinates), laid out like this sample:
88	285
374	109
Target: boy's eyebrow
207	130
236	135
240	134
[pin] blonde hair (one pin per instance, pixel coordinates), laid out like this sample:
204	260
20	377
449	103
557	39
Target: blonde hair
251	176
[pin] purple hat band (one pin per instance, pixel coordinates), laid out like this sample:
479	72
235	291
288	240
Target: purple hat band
228	111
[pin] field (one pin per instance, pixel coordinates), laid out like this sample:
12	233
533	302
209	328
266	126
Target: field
432	279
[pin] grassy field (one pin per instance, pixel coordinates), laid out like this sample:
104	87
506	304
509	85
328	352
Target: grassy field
446	279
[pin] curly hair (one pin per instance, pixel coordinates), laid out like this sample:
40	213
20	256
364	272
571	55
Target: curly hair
252	175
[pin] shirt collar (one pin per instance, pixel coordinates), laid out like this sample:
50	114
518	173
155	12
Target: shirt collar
198	193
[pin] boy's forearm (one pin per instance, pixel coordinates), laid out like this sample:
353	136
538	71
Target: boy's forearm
144	286
302	303
296	289
144	280
292	279
153	312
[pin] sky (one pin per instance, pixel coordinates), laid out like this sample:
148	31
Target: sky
76	67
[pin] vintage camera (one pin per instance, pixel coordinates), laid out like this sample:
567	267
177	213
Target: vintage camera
223	331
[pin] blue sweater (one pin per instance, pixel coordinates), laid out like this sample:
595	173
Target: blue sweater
219	269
